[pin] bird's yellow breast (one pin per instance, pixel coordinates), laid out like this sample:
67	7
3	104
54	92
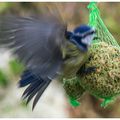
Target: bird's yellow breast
76	59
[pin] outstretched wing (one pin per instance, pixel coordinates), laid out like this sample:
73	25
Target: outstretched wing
37	41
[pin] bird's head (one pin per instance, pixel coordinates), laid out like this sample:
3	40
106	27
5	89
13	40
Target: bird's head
82	36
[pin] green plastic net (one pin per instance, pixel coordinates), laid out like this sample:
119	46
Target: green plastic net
96	21
104	37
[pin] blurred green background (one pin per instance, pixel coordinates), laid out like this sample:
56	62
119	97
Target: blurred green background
54	102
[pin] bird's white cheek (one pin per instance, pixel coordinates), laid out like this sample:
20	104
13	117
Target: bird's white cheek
87	40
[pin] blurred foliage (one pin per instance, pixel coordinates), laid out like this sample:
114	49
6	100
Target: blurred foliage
3	79
4	6
110	14
16	67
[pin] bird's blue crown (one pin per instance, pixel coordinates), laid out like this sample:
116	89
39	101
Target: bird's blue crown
82	29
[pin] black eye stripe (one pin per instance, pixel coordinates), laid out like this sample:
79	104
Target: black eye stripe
89	34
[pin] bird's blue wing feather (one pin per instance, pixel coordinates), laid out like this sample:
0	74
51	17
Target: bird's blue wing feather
36	86
37	42
27	78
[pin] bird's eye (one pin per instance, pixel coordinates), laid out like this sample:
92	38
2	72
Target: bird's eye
90	33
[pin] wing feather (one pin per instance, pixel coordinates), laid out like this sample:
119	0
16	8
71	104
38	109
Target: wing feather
37	42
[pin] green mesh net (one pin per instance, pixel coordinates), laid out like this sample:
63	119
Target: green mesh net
96	21
105	82
104	36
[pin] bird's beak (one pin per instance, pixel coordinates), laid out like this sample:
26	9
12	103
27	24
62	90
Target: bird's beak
96	38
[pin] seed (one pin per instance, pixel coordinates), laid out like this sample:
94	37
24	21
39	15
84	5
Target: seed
105	82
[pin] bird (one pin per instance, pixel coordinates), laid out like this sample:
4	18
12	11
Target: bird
47	49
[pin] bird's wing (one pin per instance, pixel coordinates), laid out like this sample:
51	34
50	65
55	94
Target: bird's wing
37	42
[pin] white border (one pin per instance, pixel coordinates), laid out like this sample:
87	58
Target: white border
59	0
59	118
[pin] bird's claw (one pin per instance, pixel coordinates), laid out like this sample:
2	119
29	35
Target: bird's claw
90	70
85	71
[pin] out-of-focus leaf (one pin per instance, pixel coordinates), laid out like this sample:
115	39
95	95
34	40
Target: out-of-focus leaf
16	67
3	79
4	6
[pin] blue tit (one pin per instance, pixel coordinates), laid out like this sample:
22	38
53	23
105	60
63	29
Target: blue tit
46	48
77	53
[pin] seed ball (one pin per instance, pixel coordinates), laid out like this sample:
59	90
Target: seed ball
73	88
105	81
